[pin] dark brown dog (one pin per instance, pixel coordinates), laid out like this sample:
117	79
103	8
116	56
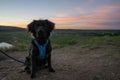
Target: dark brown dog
40	29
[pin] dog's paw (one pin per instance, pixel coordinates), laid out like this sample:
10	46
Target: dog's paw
51	70
27	69
32	76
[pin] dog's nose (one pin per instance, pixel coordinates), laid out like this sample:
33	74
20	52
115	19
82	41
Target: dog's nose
40	31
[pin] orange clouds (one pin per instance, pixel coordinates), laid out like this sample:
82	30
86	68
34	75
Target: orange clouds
70	19
15	22
106	14
77	18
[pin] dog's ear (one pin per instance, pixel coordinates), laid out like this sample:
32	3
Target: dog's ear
50	25
31	26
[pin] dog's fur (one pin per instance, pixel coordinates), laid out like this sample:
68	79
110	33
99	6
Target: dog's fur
40	29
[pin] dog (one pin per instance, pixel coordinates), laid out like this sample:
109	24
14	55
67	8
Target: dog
39	58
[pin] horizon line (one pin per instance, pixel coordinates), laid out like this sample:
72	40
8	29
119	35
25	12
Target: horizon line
58	28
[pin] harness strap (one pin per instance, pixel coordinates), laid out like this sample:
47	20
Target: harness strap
42	49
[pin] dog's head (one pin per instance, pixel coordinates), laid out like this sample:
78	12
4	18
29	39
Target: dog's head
41	29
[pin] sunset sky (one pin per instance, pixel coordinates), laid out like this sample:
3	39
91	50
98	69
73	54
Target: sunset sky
66	14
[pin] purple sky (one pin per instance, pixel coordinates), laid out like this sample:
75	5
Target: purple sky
67	14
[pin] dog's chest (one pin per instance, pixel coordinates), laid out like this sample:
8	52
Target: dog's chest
41	49
41	56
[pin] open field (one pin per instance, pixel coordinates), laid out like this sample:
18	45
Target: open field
62	38
77	55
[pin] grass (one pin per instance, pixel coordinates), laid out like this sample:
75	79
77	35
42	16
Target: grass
21	40
60	39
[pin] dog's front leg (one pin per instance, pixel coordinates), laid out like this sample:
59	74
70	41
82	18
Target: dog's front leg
33	65
27	64
49	63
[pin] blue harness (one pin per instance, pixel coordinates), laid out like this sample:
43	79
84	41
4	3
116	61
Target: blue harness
42	49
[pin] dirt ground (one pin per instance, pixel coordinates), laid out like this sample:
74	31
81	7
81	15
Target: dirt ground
71	63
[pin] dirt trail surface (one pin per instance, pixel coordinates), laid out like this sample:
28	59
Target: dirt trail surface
72	63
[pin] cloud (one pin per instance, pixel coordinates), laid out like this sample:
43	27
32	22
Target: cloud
61	15
70	19
80	10
104	17
18	23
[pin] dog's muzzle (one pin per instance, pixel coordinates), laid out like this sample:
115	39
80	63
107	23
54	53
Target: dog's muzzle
41	34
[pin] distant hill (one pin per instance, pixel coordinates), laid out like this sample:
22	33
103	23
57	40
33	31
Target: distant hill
11	29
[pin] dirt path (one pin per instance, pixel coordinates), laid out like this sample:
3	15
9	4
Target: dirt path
73	63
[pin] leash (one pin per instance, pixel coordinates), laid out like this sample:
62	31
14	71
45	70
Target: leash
42	51
11	57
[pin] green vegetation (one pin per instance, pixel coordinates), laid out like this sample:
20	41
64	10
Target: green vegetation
86	38
90	42
62	38
20	40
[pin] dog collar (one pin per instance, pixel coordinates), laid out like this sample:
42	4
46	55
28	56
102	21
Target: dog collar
42	49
